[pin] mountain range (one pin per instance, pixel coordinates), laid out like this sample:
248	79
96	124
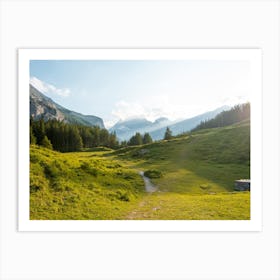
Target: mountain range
44	107
126	129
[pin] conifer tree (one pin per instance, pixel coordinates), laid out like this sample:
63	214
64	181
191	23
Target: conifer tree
32	136
112	141
168	134
46	143
135	140
147	139
74	139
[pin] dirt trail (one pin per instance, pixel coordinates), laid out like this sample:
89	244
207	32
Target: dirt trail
149	186
141	211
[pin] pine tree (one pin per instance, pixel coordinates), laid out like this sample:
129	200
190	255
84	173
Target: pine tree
95	140
39	131
147	139
74	139
135	140
132	141
112	141
138	138
46	143
168	134
32	136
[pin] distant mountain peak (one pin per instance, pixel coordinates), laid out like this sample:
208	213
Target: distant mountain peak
125	129
161	119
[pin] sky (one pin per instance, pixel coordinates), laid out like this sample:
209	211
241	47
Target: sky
123	89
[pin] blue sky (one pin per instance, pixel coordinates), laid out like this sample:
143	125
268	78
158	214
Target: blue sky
115	90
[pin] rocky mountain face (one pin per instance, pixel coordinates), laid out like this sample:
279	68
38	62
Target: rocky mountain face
43	106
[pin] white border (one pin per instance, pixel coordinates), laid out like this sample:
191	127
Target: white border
252	55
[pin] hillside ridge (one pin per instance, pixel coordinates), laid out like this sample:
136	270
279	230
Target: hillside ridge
44	107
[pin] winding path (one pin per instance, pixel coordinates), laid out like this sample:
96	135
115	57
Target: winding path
140	211
148	184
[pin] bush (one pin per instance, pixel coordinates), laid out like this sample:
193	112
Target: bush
37	183
34	158
123	196
51	171
89	169
153	173
57	186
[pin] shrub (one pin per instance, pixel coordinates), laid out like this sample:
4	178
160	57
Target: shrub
128	176
123	195
57	186
89	169
34	158
51	171
153	173
37	183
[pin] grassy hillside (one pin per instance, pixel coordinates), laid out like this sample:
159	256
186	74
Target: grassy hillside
194	175
206	161
80	186
178	206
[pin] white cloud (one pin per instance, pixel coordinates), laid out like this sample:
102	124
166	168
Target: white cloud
155	107
233	100
124	110
48	88
171	106
109	123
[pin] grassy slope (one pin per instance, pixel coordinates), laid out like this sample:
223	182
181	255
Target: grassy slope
204	162
197	183
80	186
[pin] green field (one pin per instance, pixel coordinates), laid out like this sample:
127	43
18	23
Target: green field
194	175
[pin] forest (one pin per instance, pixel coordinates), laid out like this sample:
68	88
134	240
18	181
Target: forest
236	114
66	137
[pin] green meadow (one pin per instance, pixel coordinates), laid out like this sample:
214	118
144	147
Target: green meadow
193	174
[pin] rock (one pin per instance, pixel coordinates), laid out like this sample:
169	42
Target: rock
143	152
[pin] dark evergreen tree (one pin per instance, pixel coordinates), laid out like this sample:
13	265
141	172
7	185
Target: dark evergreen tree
46	143
112	141
32	136
85	133
74	140
167	134
147	139
135	140
104	138
95	139
39	130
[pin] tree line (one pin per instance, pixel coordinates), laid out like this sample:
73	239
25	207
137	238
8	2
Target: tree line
139	139
237	114
65	137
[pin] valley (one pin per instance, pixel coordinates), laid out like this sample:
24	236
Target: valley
192	175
